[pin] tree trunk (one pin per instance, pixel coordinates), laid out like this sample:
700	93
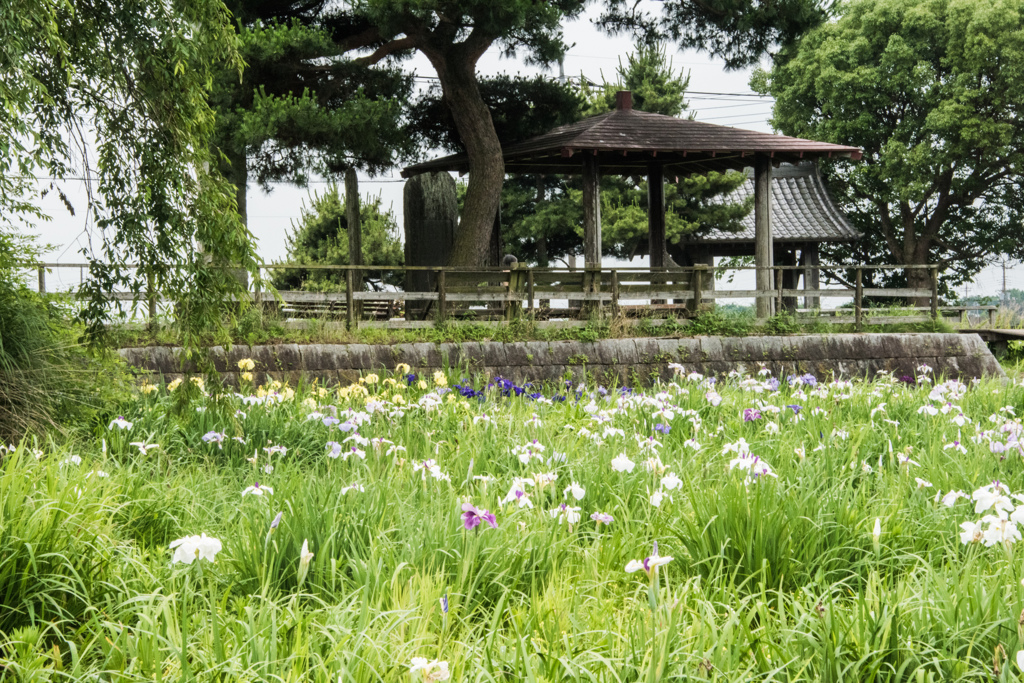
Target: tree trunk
919	278
486	166
355	234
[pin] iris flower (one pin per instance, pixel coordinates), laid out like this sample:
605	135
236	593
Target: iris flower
602	518
622	463
257	490
120	423
576	490
191	548
472	517
429	671
648	564
215	437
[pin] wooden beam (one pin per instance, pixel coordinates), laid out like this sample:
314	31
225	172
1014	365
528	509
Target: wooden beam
591	212
656	214
763	257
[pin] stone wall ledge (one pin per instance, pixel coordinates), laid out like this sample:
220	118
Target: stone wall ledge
611	361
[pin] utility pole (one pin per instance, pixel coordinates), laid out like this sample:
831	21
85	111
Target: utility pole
1004	280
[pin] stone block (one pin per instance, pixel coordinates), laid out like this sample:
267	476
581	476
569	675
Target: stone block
317	357
497	354
648	352
360	357
616	351
711	349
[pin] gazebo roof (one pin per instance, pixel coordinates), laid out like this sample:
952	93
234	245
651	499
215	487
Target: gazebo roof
802	210
626	141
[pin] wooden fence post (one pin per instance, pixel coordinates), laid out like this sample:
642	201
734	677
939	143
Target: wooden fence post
442	300
151	296
529	291
778	291
858	302
935	292
615	293
350	310
42	280
698	287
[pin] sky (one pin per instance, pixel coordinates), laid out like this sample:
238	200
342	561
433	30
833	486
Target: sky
715	94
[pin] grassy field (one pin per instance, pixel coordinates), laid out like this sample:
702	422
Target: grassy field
425	528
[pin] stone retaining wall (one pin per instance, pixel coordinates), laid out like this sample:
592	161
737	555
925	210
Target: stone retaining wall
610	361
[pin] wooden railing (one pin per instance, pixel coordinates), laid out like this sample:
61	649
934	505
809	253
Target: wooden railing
494	293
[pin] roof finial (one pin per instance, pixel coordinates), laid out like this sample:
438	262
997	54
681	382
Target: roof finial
624	99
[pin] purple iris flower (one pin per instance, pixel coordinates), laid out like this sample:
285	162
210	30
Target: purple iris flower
444	603
662	428
330	420
751	414
795	408
773	384
472	517
347	426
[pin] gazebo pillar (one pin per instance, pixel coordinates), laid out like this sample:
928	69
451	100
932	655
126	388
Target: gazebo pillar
656	214
591	211
763	256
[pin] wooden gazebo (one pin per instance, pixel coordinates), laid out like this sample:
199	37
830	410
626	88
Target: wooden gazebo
630	142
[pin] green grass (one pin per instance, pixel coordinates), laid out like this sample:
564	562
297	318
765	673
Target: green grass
777	579
734	321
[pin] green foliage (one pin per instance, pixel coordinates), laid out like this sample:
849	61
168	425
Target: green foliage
46	378
521	107
300	107
722	322
931	90
781	324
320	238
738	31
649	75
136	75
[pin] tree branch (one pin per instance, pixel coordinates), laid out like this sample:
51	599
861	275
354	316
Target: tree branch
386	49
360	40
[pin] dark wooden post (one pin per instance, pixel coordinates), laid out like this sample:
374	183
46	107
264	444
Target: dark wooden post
42	280
514	302
355	231
812	274
615	294
698	287
858	301
591	212
351	321
779	283
935	292
656	214
442	300
529	291
151	297
763	256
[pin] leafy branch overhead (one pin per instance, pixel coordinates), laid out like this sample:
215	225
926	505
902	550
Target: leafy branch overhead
119	92
933	92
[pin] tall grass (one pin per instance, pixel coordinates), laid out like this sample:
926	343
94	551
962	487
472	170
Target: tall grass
777	579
